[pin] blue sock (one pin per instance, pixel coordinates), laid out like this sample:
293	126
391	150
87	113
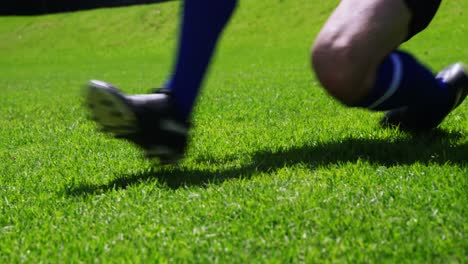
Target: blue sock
202	24
403	81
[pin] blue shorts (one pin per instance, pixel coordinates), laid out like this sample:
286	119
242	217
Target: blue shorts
422	13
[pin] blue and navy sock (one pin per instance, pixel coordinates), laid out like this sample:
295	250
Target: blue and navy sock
202	23
403	81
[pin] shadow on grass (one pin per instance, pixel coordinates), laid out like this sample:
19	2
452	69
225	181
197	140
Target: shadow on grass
433	148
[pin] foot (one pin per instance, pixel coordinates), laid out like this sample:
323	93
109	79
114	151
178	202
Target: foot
426	118
148	120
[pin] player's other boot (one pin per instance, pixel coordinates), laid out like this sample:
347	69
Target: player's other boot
148	120
425	117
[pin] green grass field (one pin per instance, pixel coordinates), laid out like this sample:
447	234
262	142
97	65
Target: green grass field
277	172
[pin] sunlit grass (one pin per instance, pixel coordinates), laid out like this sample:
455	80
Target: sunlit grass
276	171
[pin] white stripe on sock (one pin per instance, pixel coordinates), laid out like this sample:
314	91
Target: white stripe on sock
395	83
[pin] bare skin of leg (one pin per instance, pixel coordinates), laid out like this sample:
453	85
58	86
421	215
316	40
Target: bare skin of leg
358	35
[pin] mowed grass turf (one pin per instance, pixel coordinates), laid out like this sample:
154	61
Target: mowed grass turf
276	171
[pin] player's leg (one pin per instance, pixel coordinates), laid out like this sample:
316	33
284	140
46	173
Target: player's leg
202	24
354	41
159	122
356	60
